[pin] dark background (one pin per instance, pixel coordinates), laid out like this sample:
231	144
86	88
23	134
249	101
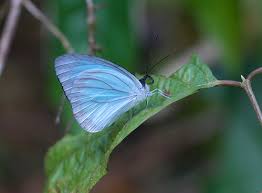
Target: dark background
210	142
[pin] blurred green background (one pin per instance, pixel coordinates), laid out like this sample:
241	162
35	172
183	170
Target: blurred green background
210	142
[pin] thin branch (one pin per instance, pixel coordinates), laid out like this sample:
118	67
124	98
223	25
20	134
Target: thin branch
69	125
8	31
60	109
58	34
91	22
3	11
246	85
254	73
49	25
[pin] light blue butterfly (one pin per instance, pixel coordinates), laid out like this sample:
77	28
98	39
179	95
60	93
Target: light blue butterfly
98	90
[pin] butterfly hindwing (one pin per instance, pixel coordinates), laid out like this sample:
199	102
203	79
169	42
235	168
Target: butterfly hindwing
98	116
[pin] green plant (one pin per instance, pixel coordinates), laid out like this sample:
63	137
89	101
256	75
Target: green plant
77	162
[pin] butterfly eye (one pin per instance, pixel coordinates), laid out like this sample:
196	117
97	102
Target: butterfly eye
149	80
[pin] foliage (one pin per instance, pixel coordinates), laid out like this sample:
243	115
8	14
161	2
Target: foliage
238	157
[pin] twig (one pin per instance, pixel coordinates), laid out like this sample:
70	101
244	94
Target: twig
254	73
246	85
69	125
60	109
3	10
58	34
91	22
49	25
8	31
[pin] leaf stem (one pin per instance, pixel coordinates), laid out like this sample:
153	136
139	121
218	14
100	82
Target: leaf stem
228	83
247	87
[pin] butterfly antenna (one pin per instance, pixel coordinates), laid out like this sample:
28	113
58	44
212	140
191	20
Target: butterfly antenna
155	38
159	62
162	60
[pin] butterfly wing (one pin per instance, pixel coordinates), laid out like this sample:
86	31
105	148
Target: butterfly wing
69	66
98	90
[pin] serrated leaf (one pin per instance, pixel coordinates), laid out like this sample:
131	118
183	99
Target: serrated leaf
76	163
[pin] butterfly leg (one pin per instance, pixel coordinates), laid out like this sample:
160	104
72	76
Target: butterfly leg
130	114
133	112
158	91
146	102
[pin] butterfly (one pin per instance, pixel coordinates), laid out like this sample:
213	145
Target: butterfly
98	90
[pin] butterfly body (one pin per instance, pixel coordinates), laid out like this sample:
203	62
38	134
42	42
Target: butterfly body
98	90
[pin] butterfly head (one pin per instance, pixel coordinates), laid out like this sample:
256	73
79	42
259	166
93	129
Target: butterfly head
146	80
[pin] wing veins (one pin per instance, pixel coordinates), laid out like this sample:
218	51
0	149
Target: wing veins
87	78
78	58
100	88
112	75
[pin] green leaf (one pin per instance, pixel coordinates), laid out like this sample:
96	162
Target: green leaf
76	163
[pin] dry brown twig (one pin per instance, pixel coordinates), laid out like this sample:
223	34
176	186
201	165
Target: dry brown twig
3	11
91	23
11	22
9	31
31	8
